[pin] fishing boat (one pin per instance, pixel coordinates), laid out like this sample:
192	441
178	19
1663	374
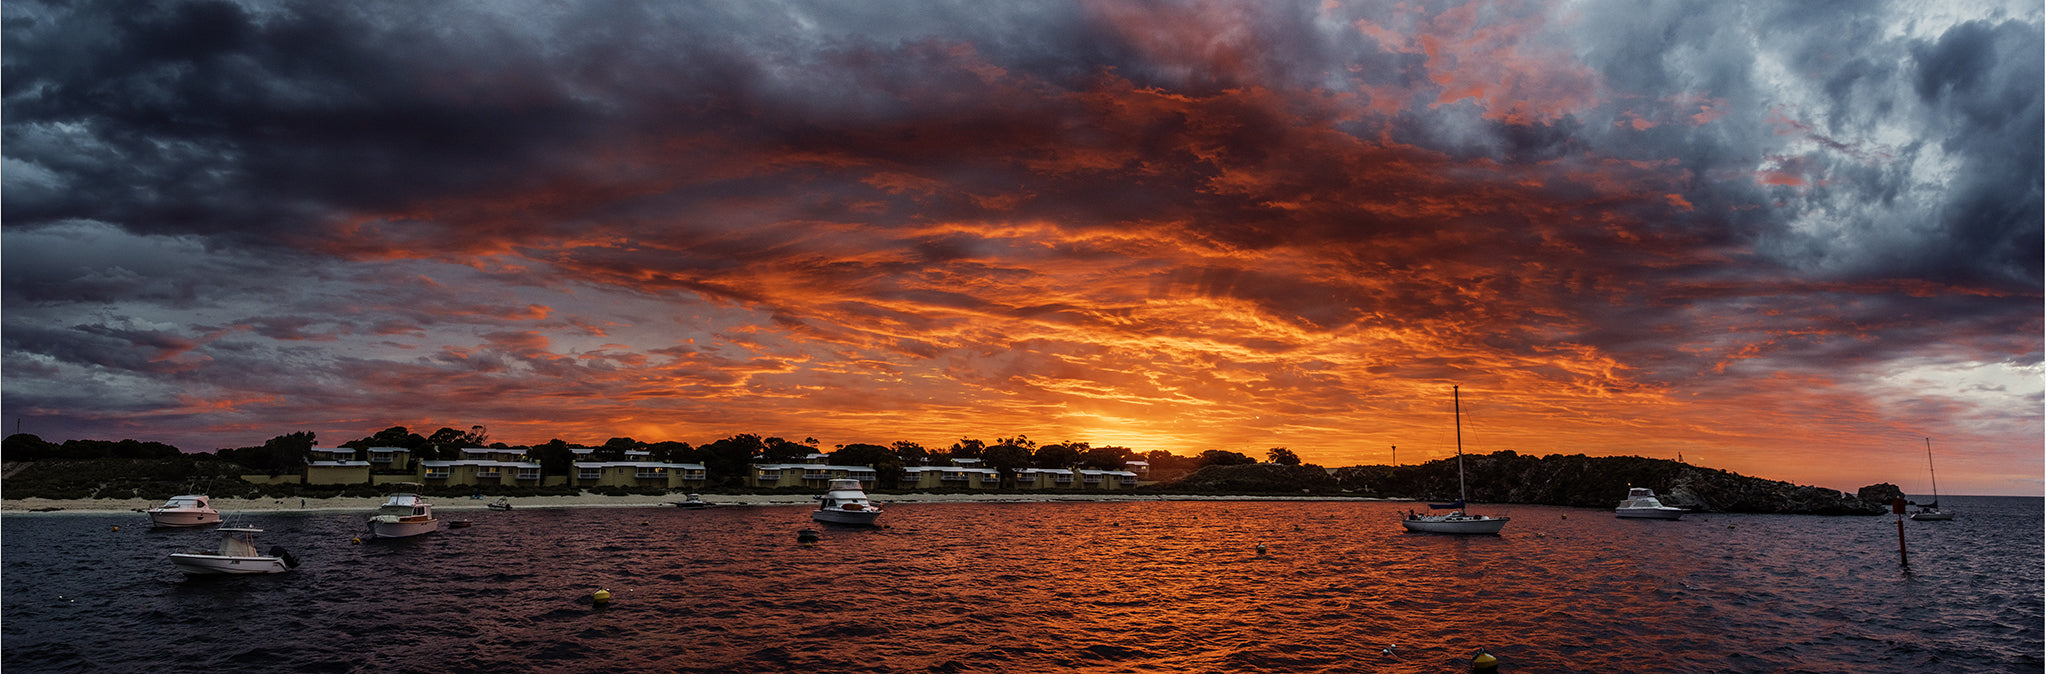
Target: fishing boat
501	504
404	513
1457	521
845	503
692	501
1931	511
237	556
189	510
1643	504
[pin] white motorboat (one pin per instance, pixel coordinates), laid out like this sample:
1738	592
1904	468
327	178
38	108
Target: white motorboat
404	513
502	503
237	556
845	503
1931	511
189	510
1458	521
1642	503
693	501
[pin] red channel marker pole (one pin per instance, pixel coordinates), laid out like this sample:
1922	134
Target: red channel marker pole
1899	509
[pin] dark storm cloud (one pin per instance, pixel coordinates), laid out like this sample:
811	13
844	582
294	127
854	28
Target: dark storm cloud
331	210
204	117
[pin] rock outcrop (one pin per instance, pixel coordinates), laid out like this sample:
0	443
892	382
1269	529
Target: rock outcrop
1601	482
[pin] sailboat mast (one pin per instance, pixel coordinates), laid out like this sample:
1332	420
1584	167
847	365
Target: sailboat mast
1457	422
1930	470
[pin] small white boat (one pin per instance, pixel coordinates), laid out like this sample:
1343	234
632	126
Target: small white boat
845	503
189	510
1458	521
237	556
1642	503
404	513
692	501
1931	511
501	504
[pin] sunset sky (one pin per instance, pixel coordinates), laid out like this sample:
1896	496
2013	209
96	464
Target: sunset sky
1788	239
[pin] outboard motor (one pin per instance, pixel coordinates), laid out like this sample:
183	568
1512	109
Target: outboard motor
279	552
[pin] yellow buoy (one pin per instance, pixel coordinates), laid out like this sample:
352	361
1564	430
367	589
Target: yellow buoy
1484	662
356	541
117	527
601	597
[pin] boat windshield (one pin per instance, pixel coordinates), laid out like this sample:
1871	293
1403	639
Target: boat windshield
235	546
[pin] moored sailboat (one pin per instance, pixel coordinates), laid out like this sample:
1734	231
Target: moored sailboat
1457	521
1931	511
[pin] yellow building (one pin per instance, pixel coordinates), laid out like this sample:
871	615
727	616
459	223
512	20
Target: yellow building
950	477
480	473
335	466
812	475
385	459
1107	479
638	474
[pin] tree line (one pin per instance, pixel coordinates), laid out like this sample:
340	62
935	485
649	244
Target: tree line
725	461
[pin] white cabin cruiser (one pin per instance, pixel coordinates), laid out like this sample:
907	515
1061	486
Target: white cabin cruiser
404	513
845	503
1643	504
237	556
189	510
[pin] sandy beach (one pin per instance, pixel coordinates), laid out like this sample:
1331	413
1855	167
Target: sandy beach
587	500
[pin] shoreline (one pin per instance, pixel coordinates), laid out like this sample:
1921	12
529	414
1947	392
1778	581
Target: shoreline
42	506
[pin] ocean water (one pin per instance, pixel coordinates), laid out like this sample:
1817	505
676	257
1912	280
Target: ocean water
1151	586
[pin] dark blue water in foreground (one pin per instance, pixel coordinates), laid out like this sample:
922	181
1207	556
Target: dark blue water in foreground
1020	587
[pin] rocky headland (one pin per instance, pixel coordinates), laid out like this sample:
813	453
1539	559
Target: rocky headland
1576	480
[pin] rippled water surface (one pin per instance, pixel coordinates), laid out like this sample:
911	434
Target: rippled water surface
1134	586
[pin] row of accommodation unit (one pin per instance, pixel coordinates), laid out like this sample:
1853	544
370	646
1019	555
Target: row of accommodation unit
512	467
961	475
480	467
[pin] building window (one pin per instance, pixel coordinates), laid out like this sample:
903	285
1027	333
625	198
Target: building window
529	473
589	473
437	473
